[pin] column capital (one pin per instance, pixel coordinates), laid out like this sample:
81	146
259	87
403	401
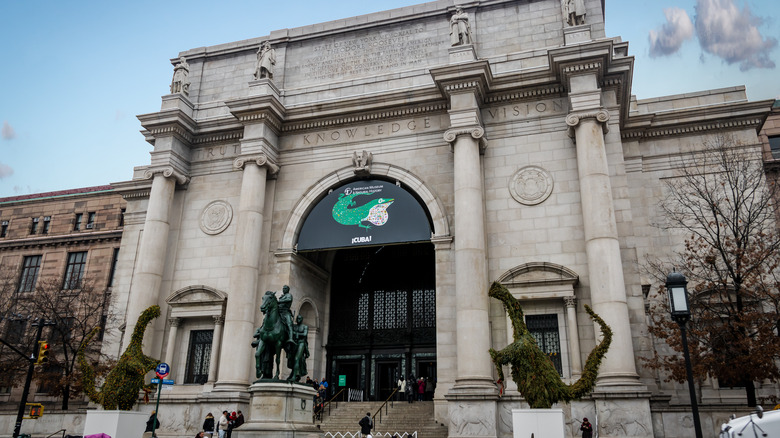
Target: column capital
261	160
476	132
218	319
601	116
167	172
570	301
175	322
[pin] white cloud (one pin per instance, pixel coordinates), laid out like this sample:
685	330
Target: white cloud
670	36
5	170
733	35
8	132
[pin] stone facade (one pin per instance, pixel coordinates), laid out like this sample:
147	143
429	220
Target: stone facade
532	160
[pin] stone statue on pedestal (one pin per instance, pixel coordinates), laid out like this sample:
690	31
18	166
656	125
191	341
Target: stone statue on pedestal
574	12
266	60
296	359
181	82
460	31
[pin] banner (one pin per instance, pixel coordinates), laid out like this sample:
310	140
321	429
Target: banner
364	213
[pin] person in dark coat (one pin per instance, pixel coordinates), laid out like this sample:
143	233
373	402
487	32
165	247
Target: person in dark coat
208	425
366	424
586	428
151	424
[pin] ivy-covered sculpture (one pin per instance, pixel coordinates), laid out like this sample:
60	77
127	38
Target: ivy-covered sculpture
532	370
126	379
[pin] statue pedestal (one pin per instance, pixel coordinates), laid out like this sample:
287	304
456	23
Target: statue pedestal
462	53
279	409
538	423
117	424
576	34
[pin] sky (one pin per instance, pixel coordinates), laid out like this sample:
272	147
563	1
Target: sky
73	75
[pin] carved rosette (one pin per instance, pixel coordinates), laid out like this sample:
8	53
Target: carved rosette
476	132
259	159
216	217
601	116
167	172
531	185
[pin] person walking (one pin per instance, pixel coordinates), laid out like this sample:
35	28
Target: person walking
366	424
401	388
208	425
151	425
586	428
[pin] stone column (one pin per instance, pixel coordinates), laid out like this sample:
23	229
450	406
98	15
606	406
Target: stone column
241	304
474	369
605	265
216	341
175	323
152	250
574	336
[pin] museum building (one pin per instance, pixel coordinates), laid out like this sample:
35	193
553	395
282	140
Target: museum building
388	168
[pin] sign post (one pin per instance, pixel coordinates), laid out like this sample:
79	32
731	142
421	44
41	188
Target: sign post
162	371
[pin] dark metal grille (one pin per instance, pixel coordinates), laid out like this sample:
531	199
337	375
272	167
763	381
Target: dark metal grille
389	310
199	356
424	308
544	329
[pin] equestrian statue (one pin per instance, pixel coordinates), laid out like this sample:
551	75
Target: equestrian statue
279	333
126	378
532	370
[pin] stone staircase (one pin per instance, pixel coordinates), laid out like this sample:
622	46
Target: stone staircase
401	417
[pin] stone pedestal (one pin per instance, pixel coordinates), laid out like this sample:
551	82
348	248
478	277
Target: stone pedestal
576	34
538	423
279	409
116	424
464	53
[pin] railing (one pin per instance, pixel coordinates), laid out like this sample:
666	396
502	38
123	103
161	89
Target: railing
375	435
384	405
62	431
327	404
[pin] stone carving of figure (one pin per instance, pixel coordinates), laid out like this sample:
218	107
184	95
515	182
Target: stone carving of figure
574	11
266	60
181	81
460	31
362	162
285	302
296	360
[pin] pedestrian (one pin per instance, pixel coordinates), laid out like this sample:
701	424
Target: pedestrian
420	389
366	424
231	424
222	427
151	424
239	419
208	425
401	388
200	434
586	428
410	389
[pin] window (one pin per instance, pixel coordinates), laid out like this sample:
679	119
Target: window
545	329
34	225
122	217
30	267
774	145
46	224
77	221
62	332
3	228
74	271
90	220
14	330
113	267
198	356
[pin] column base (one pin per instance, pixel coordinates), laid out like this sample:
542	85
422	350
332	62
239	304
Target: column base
473	386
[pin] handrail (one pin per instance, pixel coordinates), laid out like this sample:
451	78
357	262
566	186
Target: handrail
384	405
55	433
327	403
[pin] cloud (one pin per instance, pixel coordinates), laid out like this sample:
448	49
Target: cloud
8	132
733	35
670	36
5	170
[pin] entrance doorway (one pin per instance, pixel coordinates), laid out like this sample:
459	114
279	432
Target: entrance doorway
383	309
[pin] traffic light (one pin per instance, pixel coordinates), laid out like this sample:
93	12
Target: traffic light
36	410
43	352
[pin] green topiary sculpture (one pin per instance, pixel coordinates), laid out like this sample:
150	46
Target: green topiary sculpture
126	379
533	371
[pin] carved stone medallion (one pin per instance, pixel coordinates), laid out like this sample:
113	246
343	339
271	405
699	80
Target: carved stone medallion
216	217
531	185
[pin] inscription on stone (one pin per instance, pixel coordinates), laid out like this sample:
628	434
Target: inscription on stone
366	54
215	152
366	132
525	110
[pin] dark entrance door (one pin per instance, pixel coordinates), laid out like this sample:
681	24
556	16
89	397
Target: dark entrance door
351	370
387	379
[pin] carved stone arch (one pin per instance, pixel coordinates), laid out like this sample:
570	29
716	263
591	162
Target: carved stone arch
197	301
540	280
344	175
311	315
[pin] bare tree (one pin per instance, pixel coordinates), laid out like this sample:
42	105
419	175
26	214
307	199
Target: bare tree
722	201
75	313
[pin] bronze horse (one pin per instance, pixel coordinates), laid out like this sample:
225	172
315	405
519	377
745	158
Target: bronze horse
269	338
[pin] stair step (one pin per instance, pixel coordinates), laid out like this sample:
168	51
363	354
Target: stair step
401	417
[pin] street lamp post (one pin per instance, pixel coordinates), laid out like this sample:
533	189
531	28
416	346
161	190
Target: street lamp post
676	287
